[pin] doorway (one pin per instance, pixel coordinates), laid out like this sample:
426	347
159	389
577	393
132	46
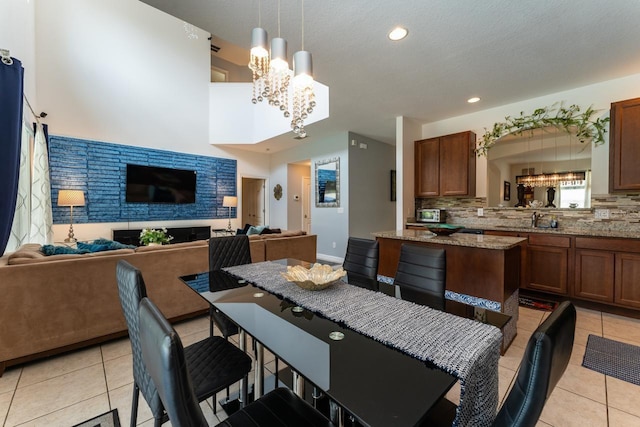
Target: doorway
306	204
253	201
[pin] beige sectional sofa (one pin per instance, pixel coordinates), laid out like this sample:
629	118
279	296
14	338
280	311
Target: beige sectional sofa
287	244
52	304
62	302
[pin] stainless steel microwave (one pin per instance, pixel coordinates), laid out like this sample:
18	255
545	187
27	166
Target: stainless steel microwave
430	215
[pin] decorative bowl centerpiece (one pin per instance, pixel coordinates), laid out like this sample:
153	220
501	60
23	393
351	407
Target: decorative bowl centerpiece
444	229
315	278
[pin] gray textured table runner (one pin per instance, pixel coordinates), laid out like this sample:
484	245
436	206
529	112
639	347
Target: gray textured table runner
467	349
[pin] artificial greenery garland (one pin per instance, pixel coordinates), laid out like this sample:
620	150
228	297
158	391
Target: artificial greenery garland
569	119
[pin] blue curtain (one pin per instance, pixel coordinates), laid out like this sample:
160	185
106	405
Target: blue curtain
11	86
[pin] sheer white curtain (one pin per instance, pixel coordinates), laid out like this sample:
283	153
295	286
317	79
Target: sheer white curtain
21	219
41	215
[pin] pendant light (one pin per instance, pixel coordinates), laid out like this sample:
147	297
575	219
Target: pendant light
303	95
272	77
259	60
279	77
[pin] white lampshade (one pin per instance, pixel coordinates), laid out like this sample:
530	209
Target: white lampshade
302	65
71	198
279	54
230	202
259	58
259	42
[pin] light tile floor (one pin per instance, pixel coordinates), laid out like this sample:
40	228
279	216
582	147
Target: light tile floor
68	389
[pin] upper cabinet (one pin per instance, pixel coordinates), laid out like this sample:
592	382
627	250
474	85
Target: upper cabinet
446	165
624	146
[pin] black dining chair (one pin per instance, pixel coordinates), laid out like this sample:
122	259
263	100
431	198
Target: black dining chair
544	361
226	251
165	359
361	263
421	275
213	363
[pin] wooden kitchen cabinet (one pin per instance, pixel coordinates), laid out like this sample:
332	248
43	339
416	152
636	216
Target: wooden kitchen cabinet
546	261
627	272
446	165
599	269
594	275
624	146
548	264
607	270
427	159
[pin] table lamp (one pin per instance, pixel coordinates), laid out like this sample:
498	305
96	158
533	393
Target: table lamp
71	198
229	202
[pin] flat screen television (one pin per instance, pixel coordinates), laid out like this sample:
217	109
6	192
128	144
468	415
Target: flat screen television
151	184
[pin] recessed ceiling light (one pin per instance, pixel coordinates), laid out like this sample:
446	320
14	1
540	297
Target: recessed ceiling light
473	100
398	33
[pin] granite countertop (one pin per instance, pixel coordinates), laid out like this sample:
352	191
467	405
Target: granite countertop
456	239
628	233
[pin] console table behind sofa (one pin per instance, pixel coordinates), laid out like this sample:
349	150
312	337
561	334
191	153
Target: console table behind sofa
180	235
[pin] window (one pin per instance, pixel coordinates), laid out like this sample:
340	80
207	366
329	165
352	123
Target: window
218	75
575	194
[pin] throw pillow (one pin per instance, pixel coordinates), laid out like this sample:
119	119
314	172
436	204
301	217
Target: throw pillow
244	230
60	250
256	229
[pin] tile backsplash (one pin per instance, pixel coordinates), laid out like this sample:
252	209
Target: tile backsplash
623	214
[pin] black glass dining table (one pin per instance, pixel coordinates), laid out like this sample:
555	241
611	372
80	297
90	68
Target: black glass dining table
376	384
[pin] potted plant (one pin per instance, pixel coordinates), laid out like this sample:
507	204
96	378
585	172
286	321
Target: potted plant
152	237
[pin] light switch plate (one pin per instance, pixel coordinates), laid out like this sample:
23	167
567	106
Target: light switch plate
480	211
602	213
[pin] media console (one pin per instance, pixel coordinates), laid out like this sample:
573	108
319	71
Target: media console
180	235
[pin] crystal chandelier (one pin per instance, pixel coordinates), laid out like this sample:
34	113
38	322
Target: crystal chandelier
279	77
551	179
303	95
259	63
272	77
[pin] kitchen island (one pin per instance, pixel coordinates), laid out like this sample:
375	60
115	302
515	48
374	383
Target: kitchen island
481	270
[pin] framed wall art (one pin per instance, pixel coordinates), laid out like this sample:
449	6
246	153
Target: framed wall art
328	183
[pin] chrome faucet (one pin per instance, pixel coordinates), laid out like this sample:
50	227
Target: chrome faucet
535	217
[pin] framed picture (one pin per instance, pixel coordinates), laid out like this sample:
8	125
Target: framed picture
328	183
507	191
393	185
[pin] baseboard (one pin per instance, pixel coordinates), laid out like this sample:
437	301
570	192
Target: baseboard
329	258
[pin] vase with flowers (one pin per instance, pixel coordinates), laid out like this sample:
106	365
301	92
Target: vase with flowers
152	237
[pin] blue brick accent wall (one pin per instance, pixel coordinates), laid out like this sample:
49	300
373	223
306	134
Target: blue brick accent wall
100	169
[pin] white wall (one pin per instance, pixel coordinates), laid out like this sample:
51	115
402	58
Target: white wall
599	95
407	132
17	21
370	205
123	72
330	224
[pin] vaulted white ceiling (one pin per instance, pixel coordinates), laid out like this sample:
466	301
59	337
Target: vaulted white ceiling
500	50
